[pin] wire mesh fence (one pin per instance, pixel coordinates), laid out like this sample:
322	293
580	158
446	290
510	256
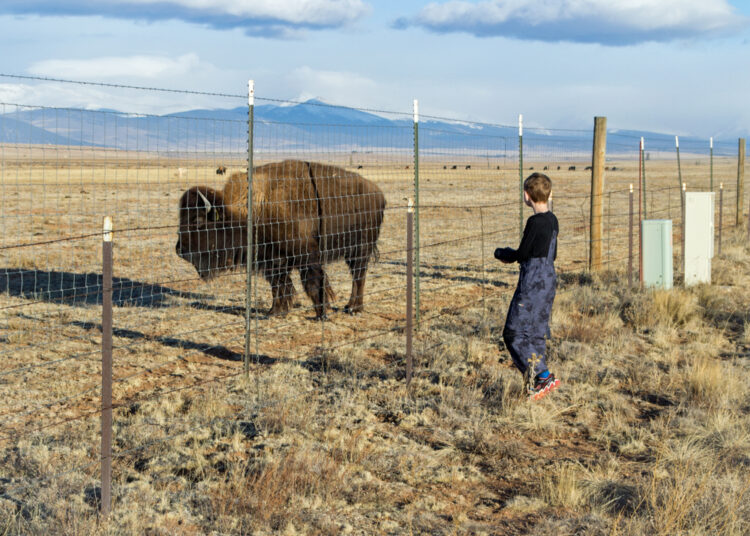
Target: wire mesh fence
322	223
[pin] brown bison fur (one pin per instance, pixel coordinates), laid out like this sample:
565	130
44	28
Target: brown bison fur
305	215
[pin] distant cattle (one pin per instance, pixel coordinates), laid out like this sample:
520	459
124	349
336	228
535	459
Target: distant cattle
221	170
587	168
468	167
545	168
531	168
614	168
445	167
360	166
572	168
454	167
558	168
407	167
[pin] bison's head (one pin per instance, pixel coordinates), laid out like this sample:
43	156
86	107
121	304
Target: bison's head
208	238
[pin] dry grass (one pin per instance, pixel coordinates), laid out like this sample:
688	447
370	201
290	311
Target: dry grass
647	436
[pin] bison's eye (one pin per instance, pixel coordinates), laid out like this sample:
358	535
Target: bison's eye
194	216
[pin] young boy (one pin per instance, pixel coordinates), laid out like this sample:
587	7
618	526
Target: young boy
527	323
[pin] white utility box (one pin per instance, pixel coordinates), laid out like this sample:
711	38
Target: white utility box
699	237
657	253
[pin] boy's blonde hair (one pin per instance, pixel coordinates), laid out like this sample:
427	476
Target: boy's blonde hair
538	186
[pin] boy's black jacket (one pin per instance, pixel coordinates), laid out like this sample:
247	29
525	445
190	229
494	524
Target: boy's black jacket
505	254
536	239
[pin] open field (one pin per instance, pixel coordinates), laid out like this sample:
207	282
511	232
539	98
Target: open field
649	434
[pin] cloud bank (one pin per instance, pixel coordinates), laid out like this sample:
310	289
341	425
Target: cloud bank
111	67
266	18
608	22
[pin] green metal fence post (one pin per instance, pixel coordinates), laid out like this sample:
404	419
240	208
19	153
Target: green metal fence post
520	176
250	257
417	263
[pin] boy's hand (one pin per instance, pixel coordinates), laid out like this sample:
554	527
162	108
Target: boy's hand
504	255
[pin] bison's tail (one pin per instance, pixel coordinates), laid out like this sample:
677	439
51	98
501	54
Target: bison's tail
330	294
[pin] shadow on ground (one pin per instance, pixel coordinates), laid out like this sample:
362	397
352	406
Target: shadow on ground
214	350
85	289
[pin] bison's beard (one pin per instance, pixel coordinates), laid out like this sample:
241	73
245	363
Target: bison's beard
211	264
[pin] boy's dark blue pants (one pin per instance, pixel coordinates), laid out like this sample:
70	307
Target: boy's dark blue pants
527	323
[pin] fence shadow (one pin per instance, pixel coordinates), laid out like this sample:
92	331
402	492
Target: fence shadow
440	269
214	350
85	289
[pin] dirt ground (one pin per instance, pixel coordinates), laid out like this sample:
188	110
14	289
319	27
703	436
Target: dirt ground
322	423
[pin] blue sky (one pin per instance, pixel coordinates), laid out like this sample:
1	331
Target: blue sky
674	66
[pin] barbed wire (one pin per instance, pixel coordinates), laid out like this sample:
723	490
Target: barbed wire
120	86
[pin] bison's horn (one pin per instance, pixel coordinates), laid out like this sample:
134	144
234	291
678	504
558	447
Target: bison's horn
205	200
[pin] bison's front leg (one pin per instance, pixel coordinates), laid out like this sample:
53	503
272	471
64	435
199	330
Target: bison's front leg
358	270
314	279
282	290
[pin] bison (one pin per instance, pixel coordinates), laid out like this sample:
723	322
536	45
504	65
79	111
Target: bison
221	170
305	214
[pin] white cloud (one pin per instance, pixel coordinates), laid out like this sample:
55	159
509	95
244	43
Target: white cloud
337	86
132	67
256	17
309	12
54	95
613	22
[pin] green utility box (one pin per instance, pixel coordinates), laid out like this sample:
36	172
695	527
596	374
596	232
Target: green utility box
657	253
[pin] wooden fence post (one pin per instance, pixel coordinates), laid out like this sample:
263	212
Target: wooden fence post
630	241
740	180
597	188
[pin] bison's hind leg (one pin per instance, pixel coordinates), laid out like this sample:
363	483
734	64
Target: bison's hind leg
358	270
282	290
330	295
314	280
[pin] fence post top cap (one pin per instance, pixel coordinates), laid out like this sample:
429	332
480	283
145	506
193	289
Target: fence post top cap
410	205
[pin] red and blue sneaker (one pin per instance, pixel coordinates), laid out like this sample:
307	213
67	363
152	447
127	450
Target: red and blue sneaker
543	386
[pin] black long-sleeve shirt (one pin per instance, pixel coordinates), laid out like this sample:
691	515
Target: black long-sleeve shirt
537	236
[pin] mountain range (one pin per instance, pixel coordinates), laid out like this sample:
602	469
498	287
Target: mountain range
315	126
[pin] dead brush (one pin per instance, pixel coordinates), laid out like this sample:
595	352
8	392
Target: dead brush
585	314
271	494
645	310
562	486
503	391
707	382
689	493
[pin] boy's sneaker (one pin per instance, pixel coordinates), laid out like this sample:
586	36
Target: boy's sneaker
542	387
